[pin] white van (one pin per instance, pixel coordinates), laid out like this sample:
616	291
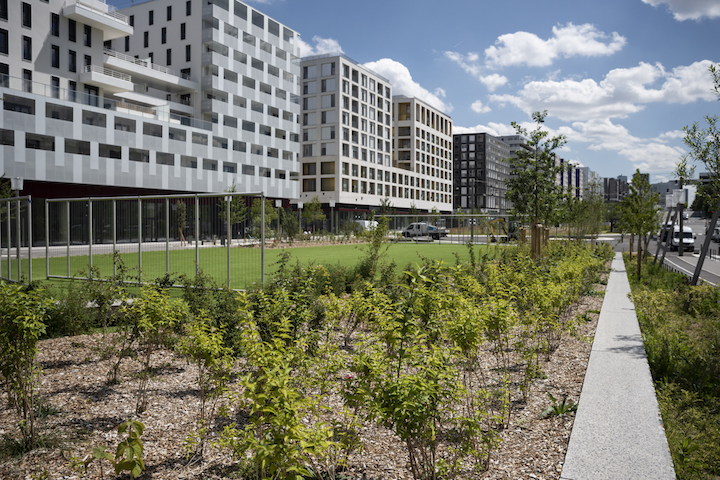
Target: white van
687	242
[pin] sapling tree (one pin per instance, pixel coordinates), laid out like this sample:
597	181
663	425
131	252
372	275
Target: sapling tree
153	315
640	212
21	325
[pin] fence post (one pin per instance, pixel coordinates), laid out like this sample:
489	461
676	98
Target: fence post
67	210
139	240
228	233
262	239
47	239
114	220
30	239
90	235
197	235
167	235
9	241
19	237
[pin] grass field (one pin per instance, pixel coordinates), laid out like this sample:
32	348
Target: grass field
244	262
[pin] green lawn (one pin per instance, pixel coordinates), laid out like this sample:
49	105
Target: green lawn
244	262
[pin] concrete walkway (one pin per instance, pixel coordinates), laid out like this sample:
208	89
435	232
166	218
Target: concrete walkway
618	431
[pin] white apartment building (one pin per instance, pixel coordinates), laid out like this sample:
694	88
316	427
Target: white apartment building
165	96
350	121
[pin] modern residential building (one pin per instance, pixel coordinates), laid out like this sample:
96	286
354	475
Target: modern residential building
165	96
481	169
348	159
615	189
667	188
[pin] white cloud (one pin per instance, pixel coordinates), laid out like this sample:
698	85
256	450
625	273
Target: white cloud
524	48
493	81
649	155
478	107
322	46
403	84
689	9
623	91
495	129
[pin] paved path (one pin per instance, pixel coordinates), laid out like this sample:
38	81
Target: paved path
618	432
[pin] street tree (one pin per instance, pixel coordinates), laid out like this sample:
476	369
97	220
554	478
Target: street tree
533	189
313	213
640	212
238	209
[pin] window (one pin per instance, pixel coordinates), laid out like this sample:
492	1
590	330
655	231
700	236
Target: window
146	39
229	167
327	69
258	19
309	185
162	158
39	142
55	87
110	151
182	31
26	15
211	165
187	53
240	10
77	147
151	17
93	118
127	43
26	48
58	112
248	126
132	20
87	36
72	90
169	13
55	56
72	25
54	24
4	9
152	130
177	134
124	124
139	155
163	35
188	8
310	71
239	146
199	138
4	42
248	170
12	103
7	137
273	27
168	57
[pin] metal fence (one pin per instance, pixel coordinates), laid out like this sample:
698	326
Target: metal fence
141	238
144	238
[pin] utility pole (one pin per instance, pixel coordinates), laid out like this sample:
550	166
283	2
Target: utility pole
681	204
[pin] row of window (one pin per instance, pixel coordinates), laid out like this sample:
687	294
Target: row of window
97	119
36	141
369	188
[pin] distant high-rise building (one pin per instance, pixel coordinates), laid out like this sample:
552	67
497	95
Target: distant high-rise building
481	169
349	123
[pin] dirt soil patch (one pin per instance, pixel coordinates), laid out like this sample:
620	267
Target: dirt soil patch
85	410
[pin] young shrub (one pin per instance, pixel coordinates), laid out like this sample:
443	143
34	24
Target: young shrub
128	456
154	315
21	326
203	345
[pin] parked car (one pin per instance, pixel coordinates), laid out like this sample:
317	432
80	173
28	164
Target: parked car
423	229
716	235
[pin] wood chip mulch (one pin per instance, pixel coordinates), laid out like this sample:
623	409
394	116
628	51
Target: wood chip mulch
86	410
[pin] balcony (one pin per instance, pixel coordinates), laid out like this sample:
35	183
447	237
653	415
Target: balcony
143	71
109	80
100	15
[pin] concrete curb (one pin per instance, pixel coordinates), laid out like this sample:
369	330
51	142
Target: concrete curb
618	431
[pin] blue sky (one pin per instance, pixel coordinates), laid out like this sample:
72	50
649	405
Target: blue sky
620	78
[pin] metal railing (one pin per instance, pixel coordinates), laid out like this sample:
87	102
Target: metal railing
144	63
103	8
108	72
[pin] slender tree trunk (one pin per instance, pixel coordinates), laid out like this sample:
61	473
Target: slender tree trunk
639	263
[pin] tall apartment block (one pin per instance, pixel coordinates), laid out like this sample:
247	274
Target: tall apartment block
481	170
350	121
165	96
